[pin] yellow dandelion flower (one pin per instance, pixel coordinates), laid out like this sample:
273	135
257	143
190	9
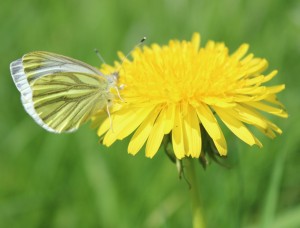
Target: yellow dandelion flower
182	89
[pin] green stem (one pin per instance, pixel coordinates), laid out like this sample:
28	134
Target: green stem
191	177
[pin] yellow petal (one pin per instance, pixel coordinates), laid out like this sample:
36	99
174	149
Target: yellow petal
276	89
271	128
273	99
156	135
169	118
254	81
212	127
258	68
270	76
192	131
137	118
141	134
106	124
268	132
217	102
249	116
268	109
177	134
251	90
240	52
124	122
104	127
196	41
237	127
247	59
210	45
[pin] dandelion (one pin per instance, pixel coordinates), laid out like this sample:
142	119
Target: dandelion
183	91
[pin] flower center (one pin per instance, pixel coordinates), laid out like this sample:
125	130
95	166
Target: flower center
179	72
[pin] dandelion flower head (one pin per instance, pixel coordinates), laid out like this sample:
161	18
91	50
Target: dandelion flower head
180	90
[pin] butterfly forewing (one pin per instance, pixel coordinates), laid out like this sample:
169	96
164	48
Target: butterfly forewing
38	64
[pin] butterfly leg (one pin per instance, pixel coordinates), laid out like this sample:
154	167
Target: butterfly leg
109	116
117	89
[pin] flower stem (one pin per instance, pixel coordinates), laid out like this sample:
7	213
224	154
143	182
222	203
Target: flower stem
191	177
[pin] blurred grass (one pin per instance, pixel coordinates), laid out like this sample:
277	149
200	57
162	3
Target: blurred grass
70	180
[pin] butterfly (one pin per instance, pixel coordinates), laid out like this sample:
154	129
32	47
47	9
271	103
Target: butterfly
61	93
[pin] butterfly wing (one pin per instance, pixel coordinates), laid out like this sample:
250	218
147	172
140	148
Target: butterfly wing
64	101
38	64
60	93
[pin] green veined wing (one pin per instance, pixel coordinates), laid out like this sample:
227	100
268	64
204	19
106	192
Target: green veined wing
60	93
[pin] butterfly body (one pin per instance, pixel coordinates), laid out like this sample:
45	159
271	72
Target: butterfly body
61	93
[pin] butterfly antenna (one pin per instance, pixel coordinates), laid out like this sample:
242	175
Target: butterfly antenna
99	55
137	45
110	119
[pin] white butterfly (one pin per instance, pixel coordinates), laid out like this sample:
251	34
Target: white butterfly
61	93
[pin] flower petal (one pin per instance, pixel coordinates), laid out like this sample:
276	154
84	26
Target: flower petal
271	98
240	52
192	131
270	76
141	134
104	127
212	127
258	67
156	135
269	109
196	39
237	127
124	122
169	118
177	134
136	120
249	116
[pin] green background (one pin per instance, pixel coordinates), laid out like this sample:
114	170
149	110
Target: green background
69	180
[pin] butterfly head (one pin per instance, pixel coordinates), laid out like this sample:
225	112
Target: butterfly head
113	79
